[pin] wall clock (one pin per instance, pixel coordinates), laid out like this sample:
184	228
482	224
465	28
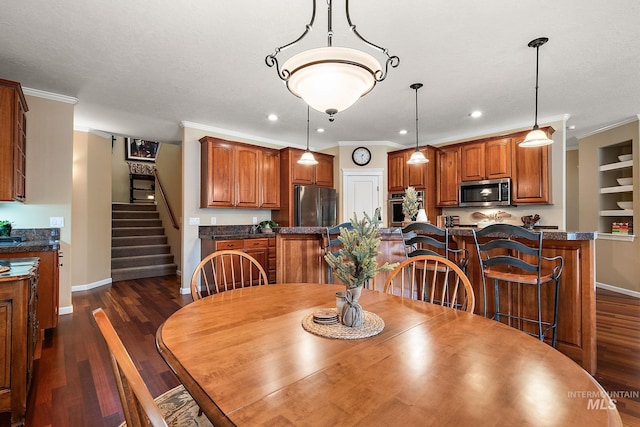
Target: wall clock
361	156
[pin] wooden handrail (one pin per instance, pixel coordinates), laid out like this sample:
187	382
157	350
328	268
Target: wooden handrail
166	202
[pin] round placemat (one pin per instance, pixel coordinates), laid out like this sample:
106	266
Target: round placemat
373	325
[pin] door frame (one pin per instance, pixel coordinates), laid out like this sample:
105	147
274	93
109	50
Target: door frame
374	172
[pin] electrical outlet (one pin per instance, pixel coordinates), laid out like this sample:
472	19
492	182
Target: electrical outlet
194	221
213	220
56	221
255	219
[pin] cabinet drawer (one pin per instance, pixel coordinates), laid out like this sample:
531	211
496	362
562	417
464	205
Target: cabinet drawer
229	244
256	243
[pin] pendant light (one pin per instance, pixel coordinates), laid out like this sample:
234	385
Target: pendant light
417	157
331	79
537	137
307	157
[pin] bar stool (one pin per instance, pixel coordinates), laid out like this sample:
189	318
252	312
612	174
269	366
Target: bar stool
421	238
333	244
502	258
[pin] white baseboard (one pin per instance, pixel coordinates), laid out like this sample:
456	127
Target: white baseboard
65	310
185	291
90	286
624	291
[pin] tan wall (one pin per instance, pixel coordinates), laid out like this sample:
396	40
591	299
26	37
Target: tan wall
169	168
616	261
119	173
573	187
49	179
91	210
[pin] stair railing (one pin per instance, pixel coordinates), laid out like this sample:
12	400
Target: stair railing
166	202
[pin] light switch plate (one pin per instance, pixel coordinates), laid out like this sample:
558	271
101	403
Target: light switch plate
194	221
56	221
213	220
255	219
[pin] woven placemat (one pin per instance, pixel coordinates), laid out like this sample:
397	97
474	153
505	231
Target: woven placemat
373	325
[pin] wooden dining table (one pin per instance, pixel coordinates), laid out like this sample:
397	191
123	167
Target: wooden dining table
247	361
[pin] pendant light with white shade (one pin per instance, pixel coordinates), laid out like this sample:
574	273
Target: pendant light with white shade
418	156
307	157
537	137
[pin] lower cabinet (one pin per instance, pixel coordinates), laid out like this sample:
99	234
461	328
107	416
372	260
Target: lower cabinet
18	339
258	248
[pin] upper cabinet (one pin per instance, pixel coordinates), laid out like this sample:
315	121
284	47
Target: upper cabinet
237	175
530	183
402	175
13	136
320	174
448	175
485	160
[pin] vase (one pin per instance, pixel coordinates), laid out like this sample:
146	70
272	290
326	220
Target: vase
5	230
352	312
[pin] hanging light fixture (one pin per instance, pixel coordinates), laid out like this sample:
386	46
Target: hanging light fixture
537	137
307	157
331	79
417	157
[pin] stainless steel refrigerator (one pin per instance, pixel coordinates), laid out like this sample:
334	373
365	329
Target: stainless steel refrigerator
314	206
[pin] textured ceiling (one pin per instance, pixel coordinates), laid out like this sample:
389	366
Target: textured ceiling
140	68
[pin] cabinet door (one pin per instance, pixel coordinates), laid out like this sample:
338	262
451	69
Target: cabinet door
301	174
246	176
497	155
395	167
472	162
270	180
447	178
530	176
217	184
20	153
324	170
416	175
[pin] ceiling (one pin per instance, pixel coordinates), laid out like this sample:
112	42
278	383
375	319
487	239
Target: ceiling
140	68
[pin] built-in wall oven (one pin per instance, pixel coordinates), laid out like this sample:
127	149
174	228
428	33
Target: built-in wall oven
395	207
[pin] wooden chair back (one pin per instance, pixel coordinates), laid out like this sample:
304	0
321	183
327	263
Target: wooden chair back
421	238
432	279
138	405
225	270
334	244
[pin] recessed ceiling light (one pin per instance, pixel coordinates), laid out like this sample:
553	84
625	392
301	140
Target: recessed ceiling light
572	127
476	114
272	117
320	130
403	132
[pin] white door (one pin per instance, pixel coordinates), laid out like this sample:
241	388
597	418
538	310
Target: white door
362	192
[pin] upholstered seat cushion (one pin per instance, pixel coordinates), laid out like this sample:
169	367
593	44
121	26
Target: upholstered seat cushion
179	409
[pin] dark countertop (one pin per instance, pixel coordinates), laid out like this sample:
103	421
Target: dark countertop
32	240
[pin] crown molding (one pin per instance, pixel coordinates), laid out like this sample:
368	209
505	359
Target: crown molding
100	133
370	144
241	135
611	126
50	95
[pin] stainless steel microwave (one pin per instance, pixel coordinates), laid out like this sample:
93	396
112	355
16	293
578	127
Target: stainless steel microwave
490	192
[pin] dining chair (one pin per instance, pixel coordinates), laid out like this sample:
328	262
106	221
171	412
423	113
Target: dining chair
333	244
225	270
434	279
512	254
421	238
176	407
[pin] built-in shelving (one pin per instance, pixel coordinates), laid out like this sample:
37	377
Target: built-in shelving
616	185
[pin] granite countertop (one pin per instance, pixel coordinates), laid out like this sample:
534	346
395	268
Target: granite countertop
32	240
19	268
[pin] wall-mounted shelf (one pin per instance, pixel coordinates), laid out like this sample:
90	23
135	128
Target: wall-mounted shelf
617	189
618	237
617	212
616	168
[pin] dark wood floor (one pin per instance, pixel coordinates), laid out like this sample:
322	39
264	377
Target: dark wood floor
74	386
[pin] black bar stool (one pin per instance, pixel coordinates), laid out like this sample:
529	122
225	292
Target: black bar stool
502	258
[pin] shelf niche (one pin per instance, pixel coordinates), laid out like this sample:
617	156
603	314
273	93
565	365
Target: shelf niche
611	169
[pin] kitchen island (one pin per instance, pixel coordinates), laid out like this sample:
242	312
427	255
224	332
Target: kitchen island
300	259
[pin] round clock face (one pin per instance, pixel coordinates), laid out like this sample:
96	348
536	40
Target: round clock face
361	156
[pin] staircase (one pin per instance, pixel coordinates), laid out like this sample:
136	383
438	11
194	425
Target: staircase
138	244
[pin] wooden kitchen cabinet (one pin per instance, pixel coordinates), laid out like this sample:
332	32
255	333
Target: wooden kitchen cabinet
13	137
18	336
530	182
237	175
48	284
258	248
395	172
448	175
402	175
489	159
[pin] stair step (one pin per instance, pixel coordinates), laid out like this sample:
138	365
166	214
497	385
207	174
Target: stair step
138	240
132	223
137	231
128	251
133	207
142	272
135	215
141	260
